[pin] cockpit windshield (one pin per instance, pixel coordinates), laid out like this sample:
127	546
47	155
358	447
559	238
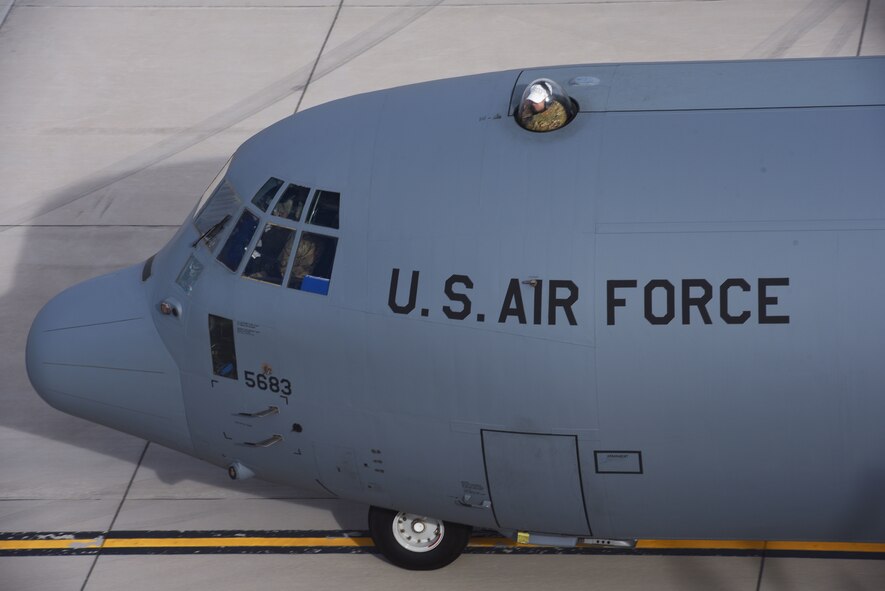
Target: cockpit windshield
292	202
210	190
290	234
223	203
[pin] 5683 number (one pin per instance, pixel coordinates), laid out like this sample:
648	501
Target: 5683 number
270	383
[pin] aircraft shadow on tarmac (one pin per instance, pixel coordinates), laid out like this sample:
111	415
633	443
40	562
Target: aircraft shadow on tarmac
55	255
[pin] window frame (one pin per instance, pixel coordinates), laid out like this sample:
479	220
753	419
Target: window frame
267	217
270	222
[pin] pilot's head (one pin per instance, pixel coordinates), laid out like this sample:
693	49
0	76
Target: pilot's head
538	96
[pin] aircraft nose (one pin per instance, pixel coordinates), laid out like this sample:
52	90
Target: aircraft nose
94	352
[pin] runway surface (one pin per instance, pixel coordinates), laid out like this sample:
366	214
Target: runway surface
115	115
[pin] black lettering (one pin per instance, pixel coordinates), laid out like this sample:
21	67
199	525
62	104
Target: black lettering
698	302
611	301
766	300
413	293
453	296
512	303
538	285
723	301
671	301
566	303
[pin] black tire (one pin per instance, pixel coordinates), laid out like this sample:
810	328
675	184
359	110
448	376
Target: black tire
454	539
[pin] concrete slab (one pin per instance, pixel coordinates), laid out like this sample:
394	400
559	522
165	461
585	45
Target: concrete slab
452	40
57	514
874	33
365	572
820	575
44	468
159	195
240	514
44	453
59	573
113	119
106	89
230	4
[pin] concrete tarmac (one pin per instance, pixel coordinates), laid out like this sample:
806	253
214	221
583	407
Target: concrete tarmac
115	115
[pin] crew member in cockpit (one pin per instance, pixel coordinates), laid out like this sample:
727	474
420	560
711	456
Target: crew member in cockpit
539	111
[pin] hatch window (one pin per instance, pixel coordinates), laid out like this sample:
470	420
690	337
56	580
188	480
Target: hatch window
235	248
324	210
223	202
271	255
221	344
291	204
313	263
266	193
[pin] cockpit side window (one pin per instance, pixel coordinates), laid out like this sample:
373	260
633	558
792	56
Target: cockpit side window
292	202
271	255
314	258
266	193
324	210
222	346
234	249
210	190
223	202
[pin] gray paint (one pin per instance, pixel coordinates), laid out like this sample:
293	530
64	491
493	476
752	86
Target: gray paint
751	430
535	482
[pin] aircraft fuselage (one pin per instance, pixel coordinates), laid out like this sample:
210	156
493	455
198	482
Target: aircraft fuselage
663	320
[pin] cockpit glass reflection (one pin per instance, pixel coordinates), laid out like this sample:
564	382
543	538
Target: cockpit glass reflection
545	106
324	210
266	193
271	255
224	201
235	248
291	203
210	190
222	347
189	274
314	258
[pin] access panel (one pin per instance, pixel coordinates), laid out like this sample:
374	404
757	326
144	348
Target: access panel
535	482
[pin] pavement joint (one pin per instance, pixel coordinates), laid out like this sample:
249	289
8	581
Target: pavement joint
116	513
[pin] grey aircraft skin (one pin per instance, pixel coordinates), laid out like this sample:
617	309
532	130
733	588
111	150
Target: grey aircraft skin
665	319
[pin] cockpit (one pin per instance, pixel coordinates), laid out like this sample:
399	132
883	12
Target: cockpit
264	232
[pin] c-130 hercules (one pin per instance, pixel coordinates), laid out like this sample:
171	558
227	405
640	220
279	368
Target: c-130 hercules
580	304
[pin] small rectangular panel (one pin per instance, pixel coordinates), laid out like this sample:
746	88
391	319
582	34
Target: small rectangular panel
618	462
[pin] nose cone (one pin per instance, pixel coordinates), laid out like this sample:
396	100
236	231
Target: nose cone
94	352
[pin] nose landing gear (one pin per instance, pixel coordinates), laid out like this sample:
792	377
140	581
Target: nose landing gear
416	542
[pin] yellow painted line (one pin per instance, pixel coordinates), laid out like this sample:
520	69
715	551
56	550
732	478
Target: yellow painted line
493	542
63	544
235	542
699	545
366	542
756	545
827	546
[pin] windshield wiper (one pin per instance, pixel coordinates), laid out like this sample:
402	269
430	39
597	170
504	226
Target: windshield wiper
211	232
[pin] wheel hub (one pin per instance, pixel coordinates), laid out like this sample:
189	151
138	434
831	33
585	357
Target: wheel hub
417	533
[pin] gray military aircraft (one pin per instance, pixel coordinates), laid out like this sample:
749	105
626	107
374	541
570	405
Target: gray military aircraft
580	304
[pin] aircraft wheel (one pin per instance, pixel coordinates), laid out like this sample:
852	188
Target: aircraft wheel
416	542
